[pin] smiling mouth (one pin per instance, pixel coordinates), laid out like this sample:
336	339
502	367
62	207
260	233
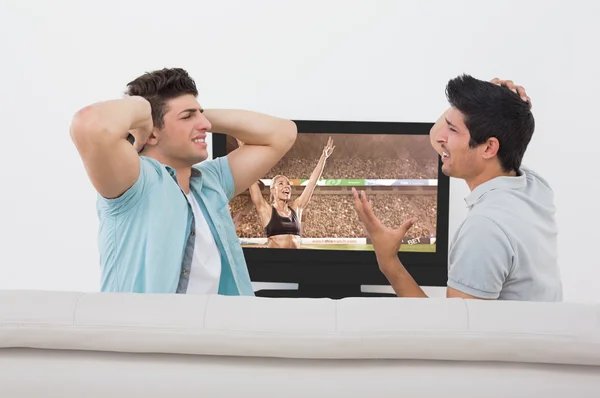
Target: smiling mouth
198	140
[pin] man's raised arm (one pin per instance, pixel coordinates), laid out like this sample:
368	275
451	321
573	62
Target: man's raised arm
266	140
100	132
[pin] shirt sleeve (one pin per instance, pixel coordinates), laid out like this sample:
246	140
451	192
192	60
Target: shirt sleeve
148	178
480	258
220	170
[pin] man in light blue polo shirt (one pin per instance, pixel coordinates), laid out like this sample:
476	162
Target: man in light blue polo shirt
165	225
506	248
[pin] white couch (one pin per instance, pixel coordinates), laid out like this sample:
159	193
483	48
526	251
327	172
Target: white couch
63	344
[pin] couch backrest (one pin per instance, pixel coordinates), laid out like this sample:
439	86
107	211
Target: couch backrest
394	328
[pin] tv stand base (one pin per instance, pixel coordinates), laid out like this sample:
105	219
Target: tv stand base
333	291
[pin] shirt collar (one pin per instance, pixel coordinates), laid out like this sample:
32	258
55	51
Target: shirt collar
173	173
195	180
503	182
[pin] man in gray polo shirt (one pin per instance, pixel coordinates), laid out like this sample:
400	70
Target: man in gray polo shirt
506	248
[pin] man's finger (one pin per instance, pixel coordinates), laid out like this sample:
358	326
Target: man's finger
519	90
406	225
363	209
523	94
355	196
358	205
367	208
365	230
510	85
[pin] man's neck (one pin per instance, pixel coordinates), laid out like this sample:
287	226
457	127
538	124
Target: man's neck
486	176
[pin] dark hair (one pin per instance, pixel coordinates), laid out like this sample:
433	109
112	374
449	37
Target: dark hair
160	86
493	111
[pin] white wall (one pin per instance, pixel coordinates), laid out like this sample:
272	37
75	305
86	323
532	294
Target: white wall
377	60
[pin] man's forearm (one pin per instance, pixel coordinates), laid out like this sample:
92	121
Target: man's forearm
114	118
251	128
402	282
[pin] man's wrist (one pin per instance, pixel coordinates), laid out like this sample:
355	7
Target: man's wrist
223	121
390	266
142	111
401	281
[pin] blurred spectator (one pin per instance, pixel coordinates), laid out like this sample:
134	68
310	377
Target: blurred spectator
355	167
333	216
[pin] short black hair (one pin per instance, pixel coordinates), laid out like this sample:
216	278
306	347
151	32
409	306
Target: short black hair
160	86
490	111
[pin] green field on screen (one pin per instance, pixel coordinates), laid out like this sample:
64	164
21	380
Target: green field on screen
403	248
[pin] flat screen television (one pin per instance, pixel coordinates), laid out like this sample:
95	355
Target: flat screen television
394	163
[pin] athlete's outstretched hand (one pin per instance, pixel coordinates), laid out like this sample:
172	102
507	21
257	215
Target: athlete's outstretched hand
386	240
328	150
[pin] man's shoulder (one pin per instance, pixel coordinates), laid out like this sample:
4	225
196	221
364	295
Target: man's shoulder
216	174
211	165
527	192
537	194
152	174
476	222
517	209
152	170
535	178
479	227
211	171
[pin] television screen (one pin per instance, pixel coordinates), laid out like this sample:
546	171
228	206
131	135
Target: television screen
321	246
398	172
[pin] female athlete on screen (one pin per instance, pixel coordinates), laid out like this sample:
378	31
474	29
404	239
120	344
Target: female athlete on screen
281	218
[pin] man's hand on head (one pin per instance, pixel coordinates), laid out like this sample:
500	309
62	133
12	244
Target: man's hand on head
520	90
140	131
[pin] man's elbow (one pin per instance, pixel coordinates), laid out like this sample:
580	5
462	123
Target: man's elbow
87	128
286	137
83	124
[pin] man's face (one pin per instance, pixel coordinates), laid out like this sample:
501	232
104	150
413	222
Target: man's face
182	138
452	138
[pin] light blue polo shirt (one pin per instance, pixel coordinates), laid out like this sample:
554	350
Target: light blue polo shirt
506	248
146	236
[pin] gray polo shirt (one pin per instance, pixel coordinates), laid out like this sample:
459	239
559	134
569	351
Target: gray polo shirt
506	248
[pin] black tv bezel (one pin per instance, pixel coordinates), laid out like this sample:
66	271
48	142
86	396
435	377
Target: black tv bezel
332	267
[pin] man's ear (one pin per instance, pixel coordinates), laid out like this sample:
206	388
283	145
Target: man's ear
151	141
153	137
491	148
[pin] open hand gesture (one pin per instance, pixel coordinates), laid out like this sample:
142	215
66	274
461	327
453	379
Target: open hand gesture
386	240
